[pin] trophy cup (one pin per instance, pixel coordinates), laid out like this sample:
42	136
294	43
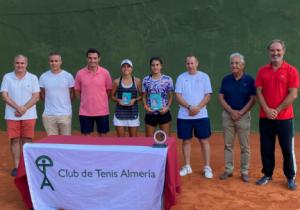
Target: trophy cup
159	137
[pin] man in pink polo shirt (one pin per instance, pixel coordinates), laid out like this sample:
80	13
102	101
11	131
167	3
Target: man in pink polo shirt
93	85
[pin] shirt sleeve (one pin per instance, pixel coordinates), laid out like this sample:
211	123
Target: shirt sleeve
144	88
108	81
222	89
4	85
293	78
77	82
207	87
71	81
170	85
178	85
41	81
258	80
36	86
252	86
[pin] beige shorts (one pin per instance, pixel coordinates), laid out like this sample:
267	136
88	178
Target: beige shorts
57	125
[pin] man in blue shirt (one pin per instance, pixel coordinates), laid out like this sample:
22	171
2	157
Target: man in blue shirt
237	97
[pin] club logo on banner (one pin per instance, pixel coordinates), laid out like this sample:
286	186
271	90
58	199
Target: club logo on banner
42	163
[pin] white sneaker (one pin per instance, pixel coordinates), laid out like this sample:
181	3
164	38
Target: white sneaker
207	172
185	170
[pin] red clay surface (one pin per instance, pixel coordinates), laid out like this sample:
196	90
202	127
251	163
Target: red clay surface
197	192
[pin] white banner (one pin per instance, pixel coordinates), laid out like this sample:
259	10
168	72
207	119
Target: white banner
90	177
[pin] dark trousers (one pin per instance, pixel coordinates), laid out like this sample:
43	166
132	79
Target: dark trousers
284	130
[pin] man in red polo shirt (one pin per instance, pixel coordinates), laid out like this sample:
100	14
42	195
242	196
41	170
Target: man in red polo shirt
93	85
277	88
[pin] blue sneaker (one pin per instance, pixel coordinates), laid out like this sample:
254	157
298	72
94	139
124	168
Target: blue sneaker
263	180
292	184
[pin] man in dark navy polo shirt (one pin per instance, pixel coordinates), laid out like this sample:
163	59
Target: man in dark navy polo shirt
237	97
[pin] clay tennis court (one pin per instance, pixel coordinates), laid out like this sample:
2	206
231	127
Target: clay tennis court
197	192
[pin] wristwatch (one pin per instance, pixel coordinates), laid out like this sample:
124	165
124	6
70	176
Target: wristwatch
188	107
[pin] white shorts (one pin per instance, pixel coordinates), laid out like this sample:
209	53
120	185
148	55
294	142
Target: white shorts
126	123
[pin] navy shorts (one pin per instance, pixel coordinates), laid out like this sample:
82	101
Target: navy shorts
200	127
158	119
87	124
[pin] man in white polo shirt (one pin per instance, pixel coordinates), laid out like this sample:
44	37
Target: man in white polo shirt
57	91
20	91
193	90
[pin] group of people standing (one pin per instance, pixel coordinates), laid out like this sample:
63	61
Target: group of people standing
276	86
